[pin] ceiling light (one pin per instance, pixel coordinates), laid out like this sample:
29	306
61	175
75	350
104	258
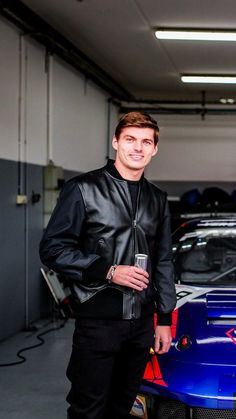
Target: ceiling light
227	101
209	79
196	35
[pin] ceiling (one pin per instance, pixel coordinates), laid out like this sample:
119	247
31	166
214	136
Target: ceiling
118	36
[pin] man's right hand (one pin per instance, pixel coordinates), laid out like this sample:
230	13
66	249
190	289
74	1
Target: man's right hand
131	276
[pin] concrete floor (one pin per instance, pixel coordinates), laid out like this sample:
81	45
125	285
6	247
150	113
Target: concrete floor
36	389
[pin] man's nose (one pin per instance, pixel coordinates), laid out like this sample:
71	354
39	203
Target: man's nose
138	145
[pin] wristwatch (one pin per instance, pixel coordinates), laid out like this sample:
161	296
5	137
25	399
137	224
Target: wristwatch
111	272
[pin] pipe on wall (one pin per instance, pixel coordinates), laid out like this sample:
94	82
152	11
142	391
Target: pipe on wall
22	180
49	106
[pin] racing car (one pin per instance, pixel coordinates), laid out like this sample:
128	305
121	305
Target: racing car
197	377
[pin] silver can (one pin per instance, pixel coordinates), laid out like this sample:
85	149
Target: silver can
141	260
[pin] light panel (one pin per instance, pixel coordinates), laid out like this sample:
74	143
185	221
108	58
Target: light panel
209	79
196	35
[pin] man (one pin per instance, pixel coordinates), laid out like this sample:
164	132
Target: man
102	219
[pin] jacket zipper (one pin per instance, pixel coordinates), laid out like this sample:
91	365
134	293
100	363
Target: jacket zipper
134	228
133	291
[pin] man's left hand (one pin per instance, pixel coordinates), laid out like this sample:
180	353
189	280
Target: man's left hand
163	339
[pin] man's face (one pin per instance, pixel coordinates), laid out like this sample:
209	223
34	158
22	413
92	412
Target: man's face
134	149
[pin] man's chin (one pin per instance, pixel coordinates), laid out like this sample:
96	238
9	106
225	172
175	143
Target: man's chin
137	165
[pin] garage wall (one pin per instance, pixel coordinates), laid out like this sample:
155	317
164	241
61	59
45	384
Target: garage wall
9	91
192	149
79	121
48	111
195	153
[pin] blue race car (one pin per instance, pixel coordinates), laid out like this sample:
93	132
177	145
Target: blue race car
197	378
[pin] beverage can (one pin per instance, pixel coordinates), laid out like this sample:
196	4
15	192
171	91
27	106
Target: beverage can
141	260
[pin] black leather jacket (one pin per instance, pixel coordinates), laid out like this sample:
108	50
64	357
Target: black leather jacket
93	224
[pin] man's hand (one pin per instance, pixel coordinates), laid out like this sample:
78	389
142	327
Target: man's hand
163	339
131	276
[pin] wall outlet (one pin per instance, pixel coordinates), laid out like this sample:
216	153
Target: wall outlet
21	199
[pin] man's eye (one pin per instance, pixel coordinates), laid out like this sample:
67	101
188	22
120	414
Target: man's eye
147	142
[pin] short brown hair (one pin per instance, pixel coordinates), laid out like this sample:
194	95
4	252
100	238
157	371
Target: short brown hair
137	119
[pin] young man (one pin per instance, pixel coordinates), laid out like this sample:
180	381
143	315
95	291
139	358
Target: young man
102	219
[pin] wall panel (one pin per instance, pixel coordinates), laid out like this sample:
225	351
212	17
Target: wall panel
194	150
79	121
9	91
24	296
36	104
12	253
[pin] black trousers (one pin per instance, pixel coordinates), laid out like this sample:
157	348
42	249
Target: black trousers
106	366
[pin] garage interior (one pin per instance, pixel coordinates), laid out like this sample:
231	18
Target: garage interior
68	70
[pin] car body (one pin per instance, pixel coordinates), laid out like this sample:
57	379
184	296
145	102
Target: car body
197	377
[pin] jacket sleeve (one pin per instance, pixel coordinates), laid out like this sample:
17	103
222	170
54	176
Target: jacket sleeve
60	248
164	273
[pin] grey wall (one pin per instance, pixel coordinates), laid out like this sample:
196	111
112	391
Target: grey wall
38	295
23	295
12	252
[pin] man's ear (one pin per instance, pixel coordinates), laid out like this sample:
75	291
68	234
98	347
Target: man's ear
155	151
114	142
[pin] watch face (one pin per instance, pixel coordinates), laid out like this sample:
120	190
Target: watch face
111	272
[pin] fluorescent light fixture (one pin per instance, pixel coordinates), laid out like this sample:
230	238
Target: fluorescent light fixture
195	35
227	101
209	79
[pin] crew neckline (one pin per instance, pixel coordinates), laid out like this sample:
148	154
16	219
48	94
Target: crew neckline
111	168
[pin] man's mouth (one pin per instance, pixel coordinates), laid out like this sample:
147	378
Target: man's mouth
136	157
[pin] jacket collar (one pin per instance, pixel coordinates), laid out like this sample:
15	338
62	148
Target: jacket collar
112	170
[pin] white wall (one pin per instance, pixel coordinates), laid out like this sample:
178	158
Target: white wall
9	86
79	121
49	111
191	149
35	96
